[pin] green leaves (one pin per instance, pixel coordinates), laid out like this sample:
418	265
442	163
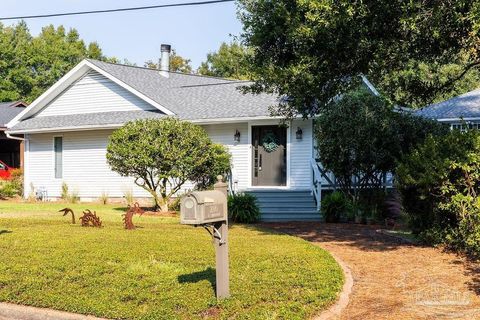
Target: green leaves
30	65
164	154
307	50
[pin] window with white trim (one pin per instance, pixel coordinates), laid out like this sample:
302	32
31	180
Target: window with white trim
58	156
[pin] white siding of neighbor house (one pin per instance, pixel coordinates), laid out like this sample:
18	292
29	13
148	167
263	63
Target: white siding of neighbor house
86	171
91	94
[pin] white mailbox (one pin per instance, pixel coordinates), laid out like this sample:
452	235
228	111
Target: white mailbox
202	207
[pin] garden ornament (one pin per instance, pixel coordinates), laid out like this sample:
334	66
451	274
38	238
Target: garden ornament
128	216
90	219
67	211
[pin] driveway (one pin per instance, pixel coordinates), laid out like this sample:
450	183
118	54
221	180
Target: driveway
393	280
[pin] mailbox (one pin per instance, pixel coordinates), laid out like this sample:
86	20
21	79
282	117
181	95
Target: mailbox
201	207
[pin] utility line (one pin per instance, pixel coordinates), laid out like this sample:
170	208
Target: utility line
117	10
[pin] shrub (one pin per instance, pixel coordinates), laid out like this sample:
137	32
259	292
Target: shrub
69	196
334	206
104	198
13	186
440	183
163	154
128	195
243	208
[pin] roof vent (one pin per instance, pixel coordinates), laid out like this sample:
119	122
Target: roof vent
164	64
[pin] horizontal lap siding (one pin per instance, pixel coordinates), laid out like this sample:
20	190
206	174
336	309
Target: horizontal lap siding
300	155
223	134
94	93
85	168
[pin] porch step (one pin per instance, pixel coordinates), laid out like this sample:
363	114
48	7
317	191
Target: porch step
286	205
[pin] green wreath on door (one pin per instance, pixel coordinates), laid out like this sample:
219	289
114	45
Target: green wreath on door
269	142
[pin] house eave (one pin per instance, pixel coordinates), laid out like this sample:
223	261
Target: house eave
118	125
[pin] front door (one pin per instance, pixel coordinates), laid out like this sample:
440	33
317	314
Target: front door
269	154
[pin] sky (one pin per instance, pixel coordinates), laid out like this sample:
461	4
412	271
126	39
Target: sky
136	35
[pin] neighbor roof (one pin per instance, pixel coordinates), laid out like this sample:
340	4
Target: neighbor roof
9	110
465	106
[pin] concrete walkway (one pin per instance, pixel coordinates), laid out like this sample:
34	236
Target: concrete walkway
394	280
10	311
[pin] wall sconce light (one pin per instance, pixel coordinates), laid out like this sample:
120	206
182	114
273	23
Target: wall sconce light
299	133
236	136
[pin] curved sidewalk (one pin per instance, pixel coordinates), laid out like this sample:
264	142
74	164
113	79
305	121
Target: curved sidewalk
10	311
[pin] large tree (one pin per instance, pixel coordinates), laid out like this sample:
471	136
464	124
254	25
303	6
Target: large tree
230	61
162	155
312	50
29	65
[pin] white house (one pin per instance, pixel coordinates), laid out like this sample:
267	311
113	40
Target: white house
66	132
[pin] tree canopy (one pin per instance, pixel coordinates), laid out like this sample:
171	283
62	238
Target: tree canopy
163	154
230	61
311	50
29	65
177	63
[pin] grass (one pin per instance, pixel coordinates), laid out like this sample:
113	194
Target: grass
161	270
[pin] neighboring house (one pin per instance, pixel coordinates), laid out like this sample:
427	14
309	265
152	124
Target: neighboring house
459	112
11	150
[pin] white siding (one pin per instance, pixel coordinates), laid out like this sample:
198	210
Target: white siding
91	94
85	168
300	155
223	133
86	171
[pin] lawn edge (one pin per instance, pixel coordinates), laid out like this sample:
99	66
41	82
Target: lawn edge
335	310
17	311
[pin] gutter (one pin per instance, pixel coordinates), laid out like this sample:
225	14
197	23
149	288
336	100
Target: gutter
8	134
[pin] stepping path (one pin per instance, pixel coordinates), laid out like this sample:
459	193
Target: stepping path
394	280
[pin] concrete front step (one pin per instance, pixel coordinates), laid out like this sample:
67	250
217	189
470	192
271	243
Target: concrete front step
286	205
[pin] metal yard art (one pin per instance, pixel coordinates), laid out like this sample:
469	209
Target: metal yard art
90	219
128	216
67	211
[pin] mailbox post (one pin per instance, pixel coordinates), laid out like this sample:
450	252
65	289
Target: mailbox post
209	209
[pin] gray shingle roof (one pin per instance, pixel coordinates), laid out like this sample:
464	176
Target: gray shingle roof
192	96
464	106
8	111
86	119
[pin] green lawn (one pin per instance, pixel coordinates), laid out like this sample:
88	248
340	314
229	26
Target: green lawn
161	270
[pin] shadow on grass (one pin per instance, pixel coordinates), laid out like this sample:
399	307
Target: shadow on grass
473	271
194	277
5	231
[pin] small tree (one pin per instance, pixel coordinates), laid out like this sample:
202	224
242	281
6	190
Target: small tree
361	138
162	155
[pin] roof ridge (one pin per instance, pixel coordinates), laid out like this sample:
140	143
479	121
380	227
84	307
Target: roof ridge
174	72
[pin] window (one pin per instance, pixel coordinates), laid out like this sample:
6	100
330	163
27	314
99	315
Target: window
58	155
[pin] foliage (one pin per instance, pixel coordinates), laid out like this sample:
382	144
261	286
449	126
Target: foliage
312	50
104	197
243	208
163	154
69	196
177	63
440	182
128	196
334	206
13	186
29	65
230	61
362	137
161	271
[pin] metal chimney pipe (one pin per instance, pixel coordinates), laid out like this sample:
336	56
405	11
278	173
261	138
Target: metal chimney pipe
164	64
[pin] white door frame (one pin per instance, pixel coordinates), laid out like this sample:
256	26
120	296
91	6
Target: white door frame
250	152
